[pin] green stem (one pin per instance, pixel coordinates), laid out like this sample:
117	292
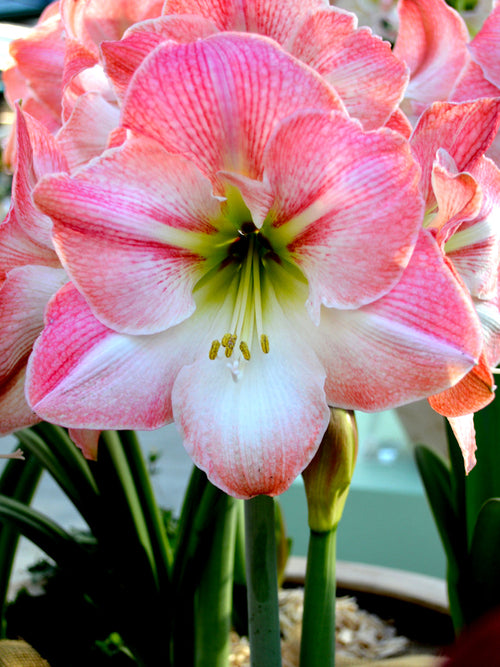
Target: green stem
215	593
262	583
317	647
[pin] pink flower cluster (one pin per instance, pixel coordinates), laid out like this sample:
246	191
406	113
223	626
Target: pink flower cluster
233	214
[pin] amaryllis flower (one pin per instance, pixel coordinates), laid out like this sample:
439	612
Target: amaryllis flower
249	255
461	188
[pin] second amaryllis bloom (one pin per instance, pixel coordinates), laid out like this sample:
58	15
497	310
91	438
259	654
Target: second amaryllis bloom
248	256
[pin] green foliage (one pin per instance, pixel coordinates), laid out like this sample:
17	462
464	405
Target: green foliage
466	509
130	590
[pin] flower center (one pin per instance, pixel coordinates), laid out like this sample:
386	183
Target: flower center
246	321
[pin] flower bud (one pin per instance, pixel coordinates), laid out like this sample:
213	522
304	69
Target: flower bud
328	476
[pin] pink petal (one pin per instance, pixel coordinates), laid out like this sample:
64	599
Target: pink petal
485	47
399	122
23	298
40	60
37	154
85	135
458	197
94	21
333	207
473	392
87	440
84	375
419	339
432	41
360	66
15	413
17	248
225	95
465	433
124	57
278	20
464	130
474	249
472	84
129	229
254	436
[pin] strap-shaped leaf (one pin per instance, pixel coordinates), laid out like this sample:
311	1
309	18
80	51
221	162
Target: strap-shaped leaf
485	550
437	481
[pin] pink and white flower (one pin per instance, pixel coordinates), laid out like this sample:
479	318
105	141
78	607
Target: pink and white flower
248	256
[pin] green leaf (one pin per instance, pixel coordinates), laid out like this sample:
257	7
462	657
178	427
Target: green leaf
437	481
485	557
65	463
42	531
19	480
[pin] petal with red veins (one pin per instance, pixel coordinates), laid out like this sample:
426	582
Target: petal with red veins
417	340
83	375
432	41
124	57
254	436
94	21
473	392
458	197
40	59
129	229
472	84
333	207
474	248
17	248
464	130
278	19
85	134
359	65
37	154
485	47
210	110
23	298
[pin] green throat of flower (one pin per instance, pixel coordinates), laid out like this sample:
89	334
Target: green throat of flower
246	251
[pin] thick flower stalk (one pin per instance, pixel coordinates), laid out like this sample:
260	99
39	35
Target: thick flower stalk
240	280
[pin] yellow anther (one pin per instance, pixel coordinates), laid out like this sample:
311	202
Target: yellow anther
230	345
214	349
244	350
264	343
225	339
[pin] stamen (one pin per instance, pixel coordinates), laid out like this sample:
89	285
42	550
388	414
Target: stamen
245	351
247	312
230	346
214	349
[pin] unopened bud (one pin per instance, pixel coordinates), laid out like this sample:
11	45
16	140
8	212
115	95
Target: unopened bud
328	477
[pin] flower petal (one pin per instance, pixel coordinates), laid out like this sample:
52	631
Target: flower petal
465	433
464	130
473	392
360	66
333	207
276	19
432	41
85	134
484	47
124	57
420	338
225	95
23	298
128	229
254	436
84	375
